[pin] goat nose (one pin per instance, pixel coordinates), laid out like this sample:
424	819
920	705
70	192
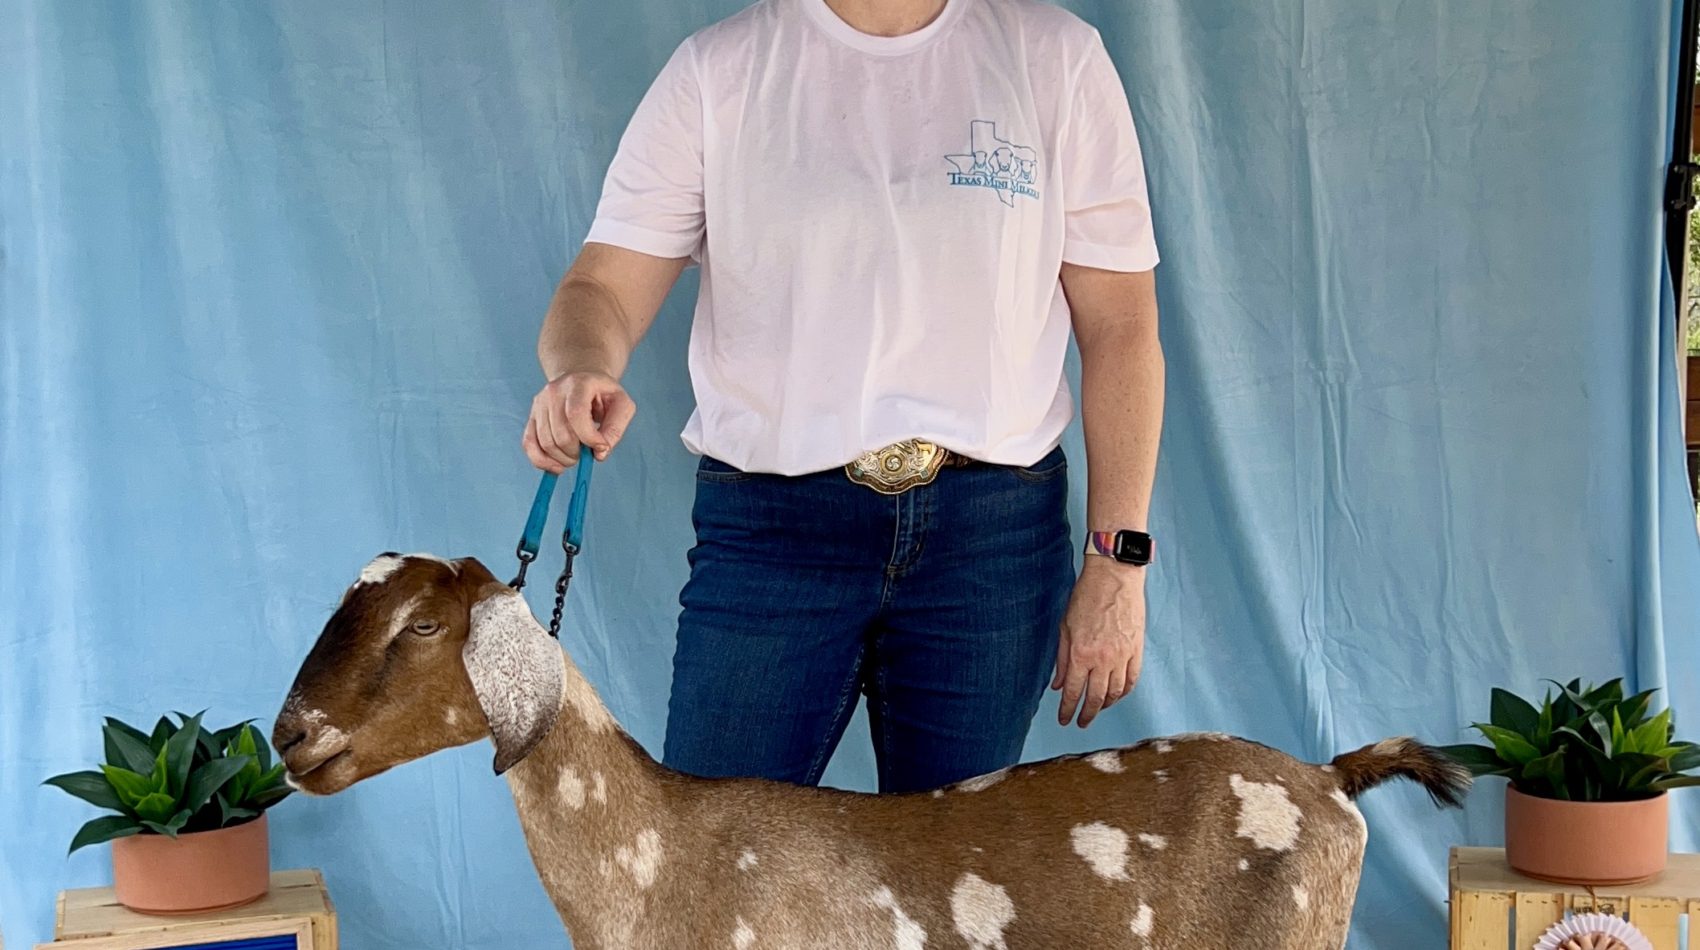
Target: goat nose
283	741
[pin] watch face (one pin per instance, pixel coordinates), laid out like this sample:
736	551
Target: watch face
1133	547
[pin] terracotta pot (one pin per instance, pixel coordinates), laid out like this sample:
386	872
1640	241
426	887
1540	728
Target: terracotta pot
206	870
1586	842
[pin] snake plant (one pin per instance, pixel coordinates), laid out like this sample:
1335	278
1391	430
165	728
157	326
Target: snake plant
1584	744
180	778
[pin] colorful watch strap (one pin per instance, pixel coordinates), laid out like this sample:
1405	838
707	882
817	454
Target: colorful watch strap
1101	542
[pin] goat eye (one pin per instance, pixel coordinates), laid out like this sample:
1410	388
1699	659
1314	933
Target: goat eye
425	627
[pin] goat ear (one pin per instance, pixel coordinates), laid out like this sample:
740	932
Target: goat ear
517	673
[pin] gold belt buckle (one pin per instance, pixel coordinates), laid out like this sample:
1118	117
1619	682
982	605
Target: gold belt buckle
898	467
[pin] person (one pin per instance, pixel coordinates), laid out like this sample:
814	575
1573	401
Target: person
877	357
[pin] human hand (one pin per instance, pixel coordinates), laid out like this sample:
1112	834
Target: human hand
1102	643
573	409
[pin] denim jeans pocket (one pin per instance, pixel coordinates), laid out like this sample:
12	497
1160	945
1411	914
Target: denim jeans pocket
1053	465
711	469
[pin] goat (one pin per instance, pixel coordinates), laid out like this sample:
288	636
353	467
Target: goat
1188	842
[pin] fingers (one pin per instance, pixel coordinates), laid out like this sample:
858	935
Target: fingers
617	412
1097	687
1073	685
1062	659
554	432
1117	686
581	422
534	451
587	409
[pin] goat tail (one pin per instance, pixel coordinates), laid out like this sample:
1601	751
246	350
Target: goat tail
1445	781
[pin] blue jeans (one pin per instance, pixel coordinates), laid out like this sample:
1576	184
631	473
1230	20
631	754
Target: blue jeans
941	605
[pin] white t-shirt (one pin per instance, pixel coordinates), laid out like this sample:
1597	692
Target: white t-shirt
880	223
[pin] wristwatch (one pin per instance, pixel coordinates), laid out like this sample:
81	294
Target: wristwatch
1128	547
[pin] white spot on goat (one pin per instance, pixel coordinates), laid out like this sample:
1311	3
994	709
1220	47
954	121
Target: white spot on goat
599	788
746	860
642	862
906	934
981	910
380	569
1161	775
1142	920
1351	808
451	716
1163	746
404	615
571	788
328	741
1203	737
938	793
1154	842
1103	848
1301	897
742	935
1108	760
1245	865
583	698
980	783
1267	816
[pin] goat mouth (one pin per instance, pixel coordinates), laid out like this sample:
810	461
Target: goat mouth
297	780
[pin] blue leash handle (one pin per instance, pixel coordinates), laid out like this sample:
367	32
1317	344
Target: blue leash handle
533	536
572	540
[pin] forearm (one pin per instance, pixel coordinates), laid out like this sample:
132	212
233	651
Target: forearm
585	331
1121	408
601	310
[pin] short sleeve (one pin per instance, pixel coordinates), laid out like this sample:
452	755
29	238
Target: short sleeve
1107	213
652	198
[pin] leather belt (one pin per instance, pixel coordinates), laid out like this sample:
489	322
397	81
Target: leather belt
896	468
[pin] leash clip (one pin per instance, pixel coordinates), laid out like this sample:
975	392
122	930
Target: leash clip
572	539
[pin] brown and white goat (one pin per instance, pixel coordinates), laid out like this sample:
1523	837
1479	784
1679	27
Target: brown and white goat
1184	843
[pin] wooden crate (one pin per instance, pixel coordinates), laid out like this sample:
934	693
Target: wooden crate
1491	904
297	912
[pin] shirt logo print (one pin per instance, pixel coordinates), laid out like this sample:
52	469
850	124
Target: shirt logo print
995	163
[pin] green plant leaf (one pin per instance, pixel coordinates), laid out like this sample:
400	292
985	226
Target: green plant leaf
1609	692
1544	722
129	786
1511	747
1654	735
267	797
1676	781
1547	768
91	787
222	737
158	780
1509	711
168	828
1635	771
1635	708
1686	755
156	806
1481	760
1602	730
180	753
230	814
208	779
262	750
126	746
103	829
162	731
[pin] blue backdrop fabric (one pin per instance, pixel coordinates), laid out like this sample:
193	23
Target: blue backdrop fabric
271	277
